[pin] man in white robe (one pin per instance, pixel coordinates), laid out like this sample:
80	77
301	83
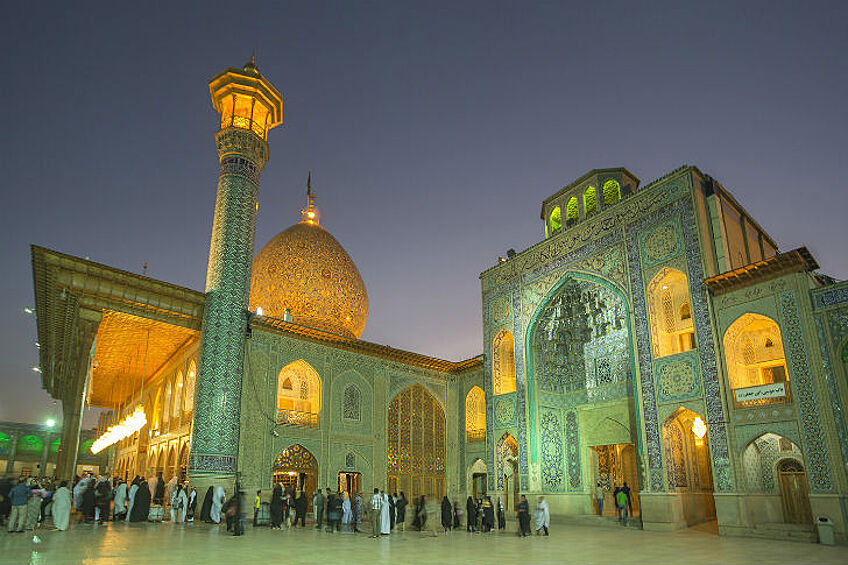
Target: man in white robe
120	498
542	515
179	505
218	496
385	520
347	514
170	489
62	507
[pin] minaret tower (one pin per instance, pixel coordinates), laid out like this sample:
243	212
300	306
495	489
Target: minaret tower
249	107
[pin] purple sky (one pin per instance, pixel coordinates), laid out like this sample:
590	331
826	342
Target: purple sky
433	130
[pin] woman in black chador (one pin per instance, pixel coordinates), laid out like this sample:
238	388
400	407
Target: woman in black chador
206	509
447	518
277	507
470	515
400	508
141	507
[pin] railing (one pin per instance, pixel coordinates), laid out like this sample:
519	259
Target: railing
762	395
475	435
297	418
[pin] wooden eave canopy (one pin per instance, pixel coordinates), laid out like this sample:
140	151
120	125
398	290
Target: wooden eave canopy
71	291
797	260
275	325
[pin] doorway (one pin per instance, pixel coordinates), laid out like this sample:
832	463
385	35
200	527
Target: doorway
350	482
793	492
478	484
615	465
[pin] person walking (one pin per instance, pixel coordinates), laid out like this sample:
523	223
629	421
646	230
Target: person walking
400	507
300	505
599	497
318	508
621	505
543	516
447	518
470	515
276	508
626	490
523	510
19	496
375	507
62	507
357	512
501	515
257	502
179	505
119	496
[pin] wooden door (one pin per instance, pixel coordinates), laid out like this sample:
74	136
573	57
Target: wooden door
793	492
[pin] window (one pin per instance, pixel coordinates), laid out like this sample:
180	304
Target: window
754	356
556	220
179	394
670	313
166	404
503	363
590	201
298	395
351	403
611	191
572	213
475	414
190	383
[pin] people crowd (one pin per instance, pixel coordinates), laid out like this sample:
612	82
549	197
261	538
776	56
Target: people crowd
27	503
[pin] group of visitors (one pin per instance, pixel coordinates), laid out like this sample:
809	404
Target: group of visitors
621	498
26	502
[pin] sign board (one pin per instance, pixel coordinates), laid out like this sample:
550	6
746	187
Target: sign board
762	392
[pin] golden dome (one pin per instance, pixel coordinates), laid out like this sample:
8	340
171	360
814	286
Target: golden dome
306	270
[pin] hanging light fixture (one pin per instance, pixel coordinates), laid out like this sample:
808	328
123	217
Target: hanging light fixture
127	427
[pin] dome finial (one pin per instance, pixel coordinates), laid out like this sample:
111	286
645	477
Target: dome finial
310	214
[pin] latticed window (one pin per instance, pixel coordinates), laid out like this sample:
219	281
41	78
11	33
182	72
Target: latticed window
672	330
352	403
304	390
475	414
668	311
754	356
298	395
416	444
503	363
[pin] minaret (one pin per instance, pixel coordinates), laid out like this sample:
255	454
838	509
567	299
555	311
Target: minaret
249	106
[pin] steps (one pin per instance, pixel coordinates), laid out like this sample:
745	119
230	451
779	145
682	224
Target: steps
788	532
597	521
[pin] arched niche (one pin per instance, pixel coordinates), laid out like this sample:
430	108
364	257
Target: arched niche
298	395
754	356
670	313
503	363
475	414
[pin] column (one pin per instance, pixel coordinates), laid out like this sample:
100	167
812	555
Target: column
13	450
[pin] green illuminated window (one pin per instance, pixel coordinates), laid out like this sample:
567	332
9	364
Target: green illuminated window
556	220
590	201
612	192
571	211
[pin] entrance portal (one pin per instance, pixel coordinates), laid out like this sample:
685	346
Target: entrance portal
687	460
350	482
507	464
295	468
616	465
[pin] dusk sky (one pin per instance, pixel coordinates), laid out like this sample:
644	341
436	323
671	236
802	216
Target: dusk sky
433	131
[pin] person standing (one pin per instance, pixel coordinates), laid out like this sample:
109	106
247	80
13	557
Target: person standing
218	497
621	505
501	515
19	496
119	495
300	509
447	518
102	498
141	503
62	507
385	521
400	507
488	521
523	510
179	505
470	515
318	508
375	506
357	511
257	502
192	503
543	516
626	490
599	497
392	510
347	512
206	507
88	502
131	497
276	509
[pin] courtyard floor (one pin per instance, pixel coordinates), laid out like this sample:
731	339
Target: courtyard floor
201	543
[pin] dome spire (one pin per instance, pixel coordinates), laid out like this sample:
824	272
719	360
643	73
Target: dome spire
310	214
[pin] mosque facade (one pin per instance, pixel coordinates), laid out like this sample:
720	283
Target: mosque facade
655	335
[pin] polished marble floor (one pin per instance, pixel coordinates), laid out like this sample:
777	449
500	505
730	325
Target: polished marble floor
201	543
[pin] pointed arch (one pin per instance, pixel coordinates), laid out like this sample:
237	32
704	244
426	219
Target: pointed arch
190	384
555	220
299	390
685	438
166	403
611	191
157	410
179	395
572	211
754	356
416	443
475	414
668	300
503	363
590	201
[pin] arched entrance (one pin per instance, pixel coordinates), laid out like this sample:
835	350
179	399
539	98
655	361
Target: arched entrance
506	461
416	444
774	470
295	468
476	479
687	461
